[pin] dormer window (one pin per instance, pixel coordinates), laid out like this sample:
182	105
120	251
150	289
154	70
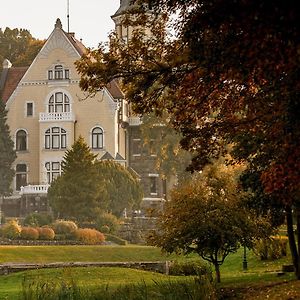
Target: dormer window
58	73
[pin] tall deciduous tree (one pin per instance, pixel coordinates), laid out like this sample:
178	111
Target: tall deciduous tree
7	154
205	216
18	46
231	75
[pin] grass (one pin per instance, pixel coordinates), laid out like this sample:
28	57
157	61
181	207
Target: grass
48	254
260	281
89	278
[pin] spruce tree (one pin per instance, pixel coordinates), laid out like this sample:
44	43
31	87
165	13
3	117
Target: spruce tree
75	193
7	154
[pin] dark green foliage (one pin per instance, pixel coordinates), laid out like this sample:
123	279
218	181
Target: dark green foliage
7	154
121	187
88	186
109	220
38	219
188	268
75	194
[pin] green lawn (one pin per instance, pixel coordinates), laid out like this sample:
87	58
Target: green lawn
258	281
48	254
89	278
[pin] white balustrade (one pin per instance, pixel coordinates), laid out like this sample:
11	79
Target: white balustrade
57	116
34	189
135	121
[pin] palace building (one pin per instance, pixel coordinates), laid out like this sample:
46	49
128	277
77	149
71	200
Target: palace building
47	112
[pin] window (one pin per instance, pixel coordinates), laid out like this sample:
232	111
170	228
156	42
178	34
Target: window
58	103
21	140
55	138
21	176
153	185
53	170
152	148
58	73
136	147
97	138
29	109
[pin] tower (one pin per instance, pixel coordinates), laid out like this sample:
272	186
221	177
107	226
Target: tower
140	158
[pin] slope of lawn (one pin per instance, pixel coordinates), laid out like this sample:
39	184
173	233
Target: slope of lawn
260	281
89	278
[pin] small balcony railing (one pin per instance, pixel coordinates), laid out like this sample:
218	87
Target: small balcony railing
135	121
55	116
34	189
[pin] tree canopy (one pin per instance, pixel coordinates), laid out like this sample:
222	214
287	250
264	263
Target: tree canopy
230	76
7	154
18	46
205	216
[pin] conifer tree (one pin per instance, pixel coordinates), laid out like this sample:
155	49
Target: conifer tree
7	154
75	193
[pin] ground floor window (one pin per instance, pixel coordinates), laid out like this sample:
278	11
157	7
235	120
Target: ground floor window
53	170
21	176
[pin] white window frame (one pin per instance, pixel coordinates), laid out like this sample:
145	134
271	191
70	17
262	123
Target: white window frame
49	136
103	138
26	109
16	132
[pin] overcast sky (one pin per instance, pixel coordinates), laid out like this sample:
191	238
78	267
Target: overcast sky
89	19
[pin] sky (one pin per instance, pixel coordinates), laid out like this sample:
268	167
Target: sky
89	19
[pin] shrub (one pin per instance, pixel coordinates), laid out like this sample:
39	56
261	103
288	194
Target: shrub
46	233
38	219
109	220
89	236
68	228
115	239
189	268
272	248
29	233
11	229
105	229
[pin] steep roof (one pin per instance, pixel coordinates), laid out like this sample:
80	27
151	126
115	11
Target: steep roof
11	77
114	89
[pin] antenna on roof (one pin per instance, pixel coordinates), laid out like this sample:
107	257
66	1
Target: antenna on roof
68	15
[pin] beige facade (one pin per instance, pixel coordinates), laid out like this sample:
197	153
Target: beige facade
47	112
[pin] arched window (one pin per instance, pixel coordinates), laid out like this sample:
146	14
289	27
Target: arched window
97	138
59	102
55	138
21	140
58	72
21	176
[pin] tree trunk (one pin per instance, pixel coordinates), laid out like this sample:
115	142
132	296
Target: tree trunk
292	242
217	269
298	240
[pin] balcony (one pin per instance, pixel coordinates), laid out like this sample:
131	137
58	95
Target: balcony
55	116
34	189
135	121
